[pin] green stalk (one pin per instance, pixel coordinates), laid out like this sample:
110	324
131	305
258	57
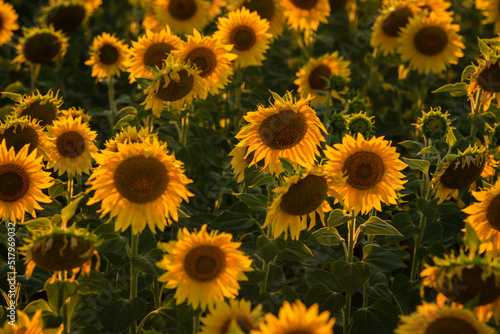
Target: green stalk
34	69
111	99
346	314
134	246
196	322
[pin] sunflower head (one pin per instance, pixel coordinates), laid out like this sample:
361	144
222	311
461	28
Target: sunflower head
41	45
108	56
357	104
65	15
236	316
306	15
272	11
42	108
8	22
128	135
338	123
75	112
20	131
434	124
360	123
182	16
486	79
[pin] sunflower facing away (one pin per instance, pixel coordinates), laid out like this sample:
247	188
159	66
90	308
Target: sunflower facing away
182	16
270	10
315	74
8	22
233	317
65	15
209	56
43	108
430	43
306	15
139	184
151	50
248	33
373	172
288	129
204	267
486	80
21	182
26	325
432	319
296	318
108	56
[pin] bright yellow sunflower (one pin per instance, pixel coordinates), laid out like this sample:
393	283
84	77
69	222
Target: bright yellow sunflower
460	279
432	319
21	182
486	80
372	169
182	16
248	33
439	7
108	56
92	5
306	15
233	317
301	197
315	74
430	43
65	15
270	10
25	325
73	146
43	108
491	12
204	267
151	50
288	129
75	112
216	7
296	318
483	218
8	22
139	184
209	56
128	135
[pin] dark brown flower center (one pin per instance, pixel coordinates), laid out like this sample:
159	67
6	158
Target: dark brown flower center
283	130
242	37
264	8
41	48
318	78
364	170
337	5
66	18
176	90
457	177
44	111
140	179
182	9
430	40
305	4
17	137
465	289
204	263
396	20
489	78
108	54
493	213
305	196
156	53
204	59
14	182
70	144
450	325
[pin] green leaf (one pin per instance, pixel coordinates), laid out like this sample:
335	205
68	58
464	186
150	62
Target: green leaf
467	72
429	150
147	264
257	202
417	164
113	245
15	87
376	226
337	218
412	145
38	223
471	239
69	210
58	292
231	221
287	165
427	207
57	189
121	314
38	304
379	318
95	283
455	90
483	47
127	111
327	299
403	223
450	138
328	236
289	293
263	179
297	251
319	276
13	96
125	121
268	248
191	155
277	97
351	276
382	259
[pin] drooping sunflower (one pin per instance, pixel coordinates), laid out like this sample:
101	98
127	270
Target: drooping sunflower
232	317
8	22
486	80
26	325
372	169
269	10
209	56
182	16
315	74
432	319
491	12
434	124
65	15
43	108
296	318
288	129
301	197
139	184
73	146
306	15
484	219
430	43
128	135
21	182
248	33
203	267
151	50
462	278
108	56
240	160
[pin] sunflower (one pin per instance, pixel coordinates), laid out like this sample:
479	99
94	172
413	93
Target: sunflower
204	267
209	56
21	182
434	124
439	7
232	317
372	169
270	10
216	7
360	123
240	160
484	220
151	50
108	56
459	171
315	74
26	325
460	279
432	319
296	318
43	108
139	184
92	5
486	79
301	197
288	129
128	135
306	15
73	146
65	15
491	11
248	33
8	22
75	112
430	43
177	82
40	45
182	16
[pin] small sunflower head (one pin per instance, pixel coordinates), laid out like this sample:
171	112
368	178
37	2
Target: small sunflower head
75	112
338	123
336	82
44	108
360	123
41	45
357	104
65	15
21	131
434	124
128	135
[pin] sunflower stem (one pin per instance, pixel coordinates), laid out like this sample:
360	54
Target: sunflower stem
34	69
111	99
184	129
156	293
134	246
196	322
237	93
349	258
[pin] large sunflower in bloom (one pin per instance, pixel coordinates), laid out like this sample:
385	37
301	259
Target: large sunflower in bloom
139	184
232	317
108	56
432	319
269	10
43	108
204	267
8	22
315	74
287	129
306	15
486	79
182	16
373	172
151	50
21	182
296	318
209	56
65	15
248	33
430	43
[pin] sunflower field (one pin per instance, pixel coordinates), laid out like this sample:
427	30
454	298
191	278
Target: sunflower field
250	166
